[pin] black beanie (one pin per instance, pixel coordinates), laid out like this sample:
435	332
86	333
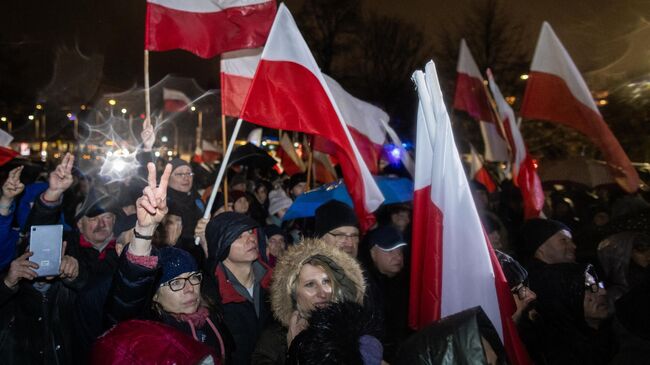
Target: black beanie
177	162
513	271
332	215
222	231
536	231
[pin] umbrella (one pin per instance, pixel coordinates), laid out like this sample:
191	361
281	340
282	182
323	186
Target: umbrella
590	173
251	155
395	190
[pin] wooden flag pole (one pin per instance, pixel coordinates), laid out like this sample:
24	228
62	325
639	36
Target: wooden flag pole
147	94
223	159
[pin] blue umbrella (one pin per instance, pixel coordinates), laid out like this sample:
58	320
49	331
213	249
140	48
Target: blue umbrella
395	190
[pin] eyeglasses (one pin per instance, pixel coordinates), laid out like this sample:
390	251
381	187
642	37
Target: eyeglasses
595	287
343	236
179	283
521	291
184	174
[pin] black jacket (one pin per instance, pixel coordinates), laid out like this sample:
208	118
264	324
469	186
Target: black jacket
36	327
191	205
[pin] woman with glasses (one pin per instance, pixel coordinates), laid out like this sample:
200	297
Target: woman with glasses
573	325
163	284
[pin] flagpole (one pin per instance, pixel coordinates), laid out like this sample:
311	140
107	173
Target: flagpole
222	169
147	96
309	163
199	131
223	148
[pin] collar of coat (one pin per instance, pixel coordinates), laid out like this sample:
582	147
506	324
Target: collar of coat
228	292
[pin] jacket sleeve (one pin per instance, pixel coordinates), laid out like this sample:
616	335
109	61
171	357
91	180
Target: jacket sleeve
8	239
42	213
131	291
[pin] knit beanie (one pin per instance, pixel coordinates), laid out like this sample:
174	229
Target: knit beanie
278	200
536	231
332	215
174	262
177	162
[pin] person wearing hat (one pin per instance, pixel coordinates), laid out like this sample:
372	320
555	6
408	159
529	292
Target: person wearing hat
279	203
383	255
182	193
243	279
517	278
548	241
171	274
337	224
296	185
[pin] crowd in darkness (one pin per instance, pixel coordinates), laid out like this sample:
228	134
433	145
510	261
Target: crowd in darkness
145	279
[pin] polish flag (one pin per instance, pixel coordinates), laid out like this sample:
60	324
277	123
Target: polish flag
365	121
207	27
289	92
453	266
175	100
524	174
472	98
237	71
479	173
556	91
291	162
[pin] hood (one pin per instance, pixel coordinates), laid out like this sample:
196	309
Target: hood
347	272
221	232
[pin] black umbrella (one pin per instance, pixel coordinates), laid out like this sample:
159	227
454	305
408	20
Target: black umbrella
251	155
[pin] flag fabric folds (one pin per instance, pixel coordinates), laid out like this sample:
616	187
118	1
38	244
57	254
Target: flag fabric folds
472	98
556	91
453	264
175	100
289	92
524	173
207	27
237	71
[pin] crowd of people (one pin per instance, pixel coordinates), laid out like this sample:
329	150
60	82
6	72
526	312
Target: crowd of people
145	279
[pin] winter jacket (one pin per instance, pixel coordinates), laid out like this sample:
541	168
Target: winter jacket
241	316
191	205
36	326
130	297
271	348
8	238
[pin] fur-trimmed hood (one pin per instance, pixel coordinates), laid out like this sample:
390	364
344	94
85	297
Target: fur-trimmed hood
347	272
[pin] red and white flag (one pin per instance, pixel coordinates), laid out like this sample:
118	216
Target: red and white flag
237	71
175	100
524	174
479	173
291	162
365	121
472	98
556	91
453	266
207	27
289	92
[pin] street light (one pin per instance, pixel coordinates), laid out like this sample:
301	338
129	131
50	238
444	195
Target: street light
124	110
524	77
112	102
4	119
30	117
193	108
39	106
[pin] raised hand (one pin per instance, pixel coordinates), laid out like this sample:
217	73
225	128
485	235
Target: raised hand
21	268
69	268
199	231
148	135
12	186
151	207
60	179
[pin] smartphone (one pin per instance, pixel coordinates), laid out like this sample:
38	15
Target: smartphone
46	244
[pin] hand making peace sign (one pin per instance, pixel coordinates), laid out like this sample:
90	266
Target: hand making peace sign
151	207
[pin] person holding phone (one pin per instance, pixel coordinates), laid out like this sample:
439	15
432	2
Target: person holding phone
36	312
170	273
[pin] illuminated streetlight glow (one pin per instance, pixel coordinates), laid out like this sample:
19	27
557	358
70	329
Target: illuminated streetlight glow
296	144
69	115
39	106
193	108
602	102
30	117
524	76
112	102
170	153
164	139
123	110
4	119
82	107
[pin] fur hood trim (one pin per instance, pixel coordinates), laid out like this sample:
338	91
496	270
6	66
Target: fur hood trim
347	272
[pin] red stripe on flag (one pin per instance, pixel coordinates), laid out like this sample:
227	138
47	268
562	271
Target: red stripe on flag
208	34
531	188
307	109
483	176
233	93
548	97
426	261
368	150
471	97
